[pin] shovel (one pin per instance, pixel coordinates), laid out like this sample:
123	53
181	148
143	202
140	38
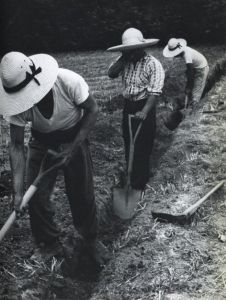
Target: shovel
176	117
187	215
28	195
173	119
125	199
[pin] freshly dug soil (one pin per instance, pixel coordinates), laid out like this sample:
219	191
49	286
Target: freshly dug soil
149	259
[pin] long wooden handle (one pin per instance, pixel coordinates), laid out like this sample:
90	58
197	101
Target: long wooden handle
133	139
27	196
131	148
43	174
186	102
194	207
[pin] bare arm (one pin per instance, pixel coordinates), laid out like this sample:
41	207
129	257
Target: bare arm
17	162
151	102
189	73
90	109
116	68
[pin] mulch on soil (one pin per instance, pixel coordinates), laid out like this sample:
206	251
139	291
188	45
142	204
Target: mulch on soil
150	259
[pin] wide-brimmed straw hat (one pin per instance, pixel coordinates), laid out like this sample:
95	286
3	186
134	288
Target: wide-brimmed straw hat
25	81
174	47
133	38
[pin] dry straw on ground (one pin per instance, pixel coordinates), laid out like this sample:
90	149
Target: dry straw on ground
150	260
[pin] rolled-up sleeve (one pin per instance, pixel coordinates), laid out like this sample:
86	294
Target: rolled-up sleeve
19	120
156	77
114	64
78	89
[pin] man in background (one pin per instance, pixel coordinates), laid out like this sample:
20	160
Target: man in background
143	78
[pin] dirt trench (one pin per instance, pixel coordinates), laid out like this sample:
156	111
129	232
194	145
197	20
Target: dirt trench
150	259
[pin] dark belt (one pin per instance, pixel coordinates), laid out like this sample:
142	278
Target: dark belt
131	107
56	137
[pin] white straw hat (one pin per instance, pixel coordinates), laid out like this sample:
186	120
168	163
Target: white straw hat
133	38
25	81
174	47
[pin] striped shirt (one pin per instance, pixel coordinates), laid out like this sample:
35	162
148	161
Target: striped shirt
143	78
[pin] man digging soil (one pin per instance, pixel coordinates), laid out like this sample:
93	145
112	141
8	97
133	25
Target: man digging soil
62	112
197	70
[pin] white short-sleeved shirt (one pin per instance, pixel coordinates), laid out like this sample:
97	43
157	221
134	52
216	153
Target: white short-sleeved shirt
69	90
192	56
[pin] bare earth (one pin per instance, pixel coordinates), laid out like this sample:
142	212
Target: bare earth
150	259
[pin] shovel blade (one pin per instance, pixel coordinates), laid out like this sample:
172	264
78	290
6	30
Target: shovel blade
125	202
173	120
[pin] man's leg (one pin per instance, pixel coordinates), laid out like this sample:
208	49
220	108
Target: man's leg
80	192
142	151
200	77
125	135
143	145
41	214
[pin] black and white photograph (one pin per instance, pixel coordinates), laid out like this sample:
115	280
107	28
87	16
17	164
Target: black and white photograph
113	150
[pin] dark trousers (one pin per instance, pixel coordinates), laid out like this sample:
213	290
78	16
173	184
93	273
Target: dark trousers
79	188
144	142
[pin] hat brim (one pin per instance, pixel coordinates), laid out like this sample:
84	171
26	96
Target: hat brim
172	53
18	102
145	44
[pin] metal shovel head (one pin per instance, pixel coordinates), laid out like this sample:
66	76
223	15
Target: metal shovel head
125	201
173	120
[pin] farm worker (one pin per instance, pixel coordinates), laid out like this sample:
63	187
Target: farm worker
197	68
143	79
61	110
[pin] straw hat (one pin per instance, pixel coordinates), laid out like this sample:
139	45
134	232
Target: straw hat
25	81
174	47
132	38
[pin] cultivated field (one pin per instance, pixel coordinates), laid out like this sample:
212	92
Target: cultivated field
150	259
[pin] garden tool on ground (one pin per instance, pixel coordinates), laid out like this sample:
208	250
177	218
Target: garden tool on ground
39	181
125	199
187	215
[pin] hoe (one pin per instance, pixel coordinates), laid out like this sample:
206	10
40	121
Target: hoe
187	215
39	181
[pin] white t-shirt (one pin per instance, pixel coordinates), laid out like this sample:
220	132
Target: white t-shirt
192	56
69	90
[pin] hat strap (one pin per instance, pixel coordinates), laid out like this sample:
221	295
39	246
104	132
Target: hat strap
29	77
177	46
